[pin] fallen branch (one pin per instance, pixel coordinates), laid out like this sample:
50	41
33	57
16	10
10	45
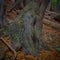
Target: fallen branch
10	47
52	24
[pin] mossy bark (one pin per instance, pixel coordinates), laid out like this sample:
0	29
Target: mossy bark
26	30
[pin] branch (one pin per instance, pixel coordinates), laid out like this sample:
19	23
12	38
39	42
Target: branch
2	39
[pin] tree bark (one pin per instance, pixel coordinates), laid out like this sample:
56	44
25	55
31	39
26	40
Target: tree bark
27	28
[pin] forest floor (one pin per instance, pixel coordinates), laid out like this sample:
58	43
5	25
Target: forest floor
50	35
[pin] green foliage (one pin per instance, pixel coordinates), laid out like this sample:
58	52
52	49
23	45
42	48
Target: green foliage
54	4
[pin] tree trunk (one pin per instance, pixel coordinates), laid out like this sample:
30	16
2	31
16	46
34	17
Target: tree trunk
26	30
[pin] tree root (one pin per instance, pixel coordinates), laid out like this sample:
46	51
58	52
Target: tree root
52	24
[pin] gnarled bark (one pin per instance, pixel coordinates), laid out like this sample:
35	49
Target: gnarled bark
28	25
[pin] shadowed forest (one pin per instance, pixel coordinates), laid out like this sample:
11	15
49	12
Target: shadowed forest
29	29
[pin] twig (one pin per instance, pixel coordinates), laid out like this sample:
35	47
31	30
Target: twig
10	47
